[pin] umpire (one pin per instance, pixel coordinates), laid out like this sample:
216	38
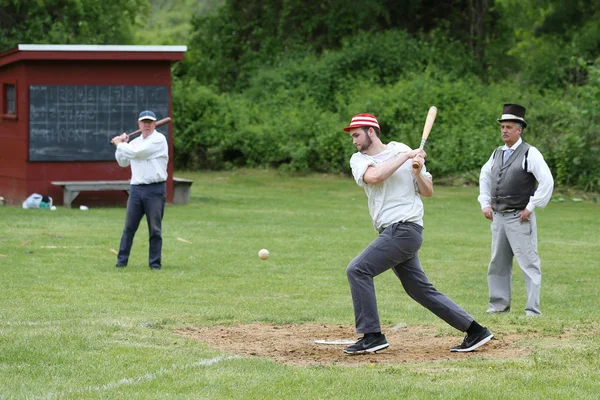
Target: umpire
508	197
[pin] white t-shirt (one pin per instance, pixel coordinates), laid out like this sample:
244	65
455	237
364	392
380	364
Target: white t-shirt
396	199
148	158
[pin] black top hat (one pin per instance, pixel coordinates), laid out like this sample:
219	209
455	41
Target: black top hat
515	113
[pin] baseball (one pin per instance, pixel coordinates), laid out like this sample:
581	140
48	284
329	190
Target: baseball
263	254
53	208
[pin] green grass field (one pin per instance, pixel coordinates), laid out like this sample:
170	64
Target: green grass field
74	326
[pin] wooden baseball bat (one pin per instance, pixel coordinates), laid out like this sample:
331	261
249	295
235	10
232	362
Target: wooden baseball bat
431	114
159	123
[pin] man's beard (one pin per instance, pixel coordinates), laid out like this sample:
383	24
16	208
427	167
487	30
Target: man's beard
366	145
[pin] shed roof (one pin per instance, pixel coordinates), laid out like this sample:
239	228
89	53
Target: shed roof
92	52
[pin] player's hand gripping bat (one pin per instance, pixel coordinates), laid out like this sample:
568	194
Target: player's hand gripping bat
159	123
431	114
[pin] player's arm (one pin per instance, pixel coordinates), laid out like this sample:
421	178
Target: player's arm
424	180
143	150
374	175
122	160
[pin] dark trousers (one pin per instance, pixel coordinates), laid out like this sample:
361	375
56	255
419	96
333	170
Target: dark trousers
397	248
143	200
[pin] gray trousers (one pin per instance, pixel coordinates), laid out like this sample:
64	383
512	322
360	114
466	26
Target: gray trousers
397	248
513	239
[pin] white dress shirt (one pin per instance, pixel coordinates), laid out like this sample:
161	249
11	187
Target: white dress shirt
536	165
148	158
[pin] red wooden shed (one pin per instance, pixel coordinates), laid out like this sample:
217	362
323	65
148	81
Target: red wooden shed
61	104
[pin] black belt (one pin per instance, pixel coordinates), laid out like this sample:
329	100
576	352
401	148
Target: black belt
148	184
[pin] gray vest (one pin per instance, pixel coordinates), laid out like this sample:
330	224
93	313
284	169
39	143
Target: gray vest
512	186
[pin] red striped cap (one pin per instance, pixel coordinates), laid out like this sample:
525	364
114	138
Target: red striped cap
362	120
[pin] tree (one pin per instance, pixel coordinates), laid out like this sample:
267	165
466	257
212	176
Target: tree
553	42
169	22
69	21
246	35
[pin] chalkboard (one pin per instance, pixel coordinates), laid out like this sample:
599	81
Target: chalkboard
76	122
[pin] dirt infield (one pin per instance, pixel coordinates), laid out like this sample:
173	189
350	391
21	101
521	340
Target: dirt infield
295	344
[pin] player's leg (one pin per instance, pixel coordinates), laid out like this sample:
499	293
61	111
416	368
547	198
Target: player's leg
154	206
384	253
133	216
418	287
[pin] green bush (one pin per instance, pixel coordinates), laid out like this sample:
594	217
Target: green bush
291	117
379	59
568	127
216	131
465	131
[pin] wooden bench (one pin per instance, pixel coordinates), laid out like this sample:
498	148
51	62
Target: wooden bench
71	189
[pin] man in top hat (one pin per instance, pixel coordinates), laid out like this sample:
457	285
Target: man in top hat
508	197
393	188
148	156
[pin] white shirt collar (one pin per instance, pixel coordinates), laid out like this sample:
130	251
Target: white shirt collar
514	147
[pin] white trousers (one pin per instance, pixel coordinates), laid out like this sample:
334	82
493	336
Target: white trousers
513	239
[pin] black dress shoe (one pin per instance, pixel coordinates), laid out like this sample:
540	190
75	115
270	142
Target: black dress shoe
120	265
155	267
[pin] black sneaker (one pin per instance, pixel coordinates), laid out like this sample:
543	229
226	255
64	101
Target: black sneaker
367	344
471	342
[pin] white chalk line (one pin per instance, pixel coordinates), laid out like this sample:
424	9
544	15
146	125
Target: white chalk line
58	323
142	378
68	322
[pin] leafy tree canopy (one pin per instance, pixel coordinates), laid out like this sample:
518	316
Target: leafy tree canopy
169	21
70	21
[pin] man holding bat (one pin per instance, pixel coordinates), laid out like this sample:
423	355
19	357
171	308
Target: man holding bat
508	197
393	186
148	156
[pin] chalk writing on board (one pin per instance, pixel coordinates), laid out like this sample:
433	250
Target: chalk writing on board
76	122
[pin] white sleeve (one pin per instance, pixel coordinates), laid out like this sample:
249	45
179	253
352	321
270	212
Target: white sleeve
398	147
424	171
485	183
538	167
359	164
140	149
120	157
